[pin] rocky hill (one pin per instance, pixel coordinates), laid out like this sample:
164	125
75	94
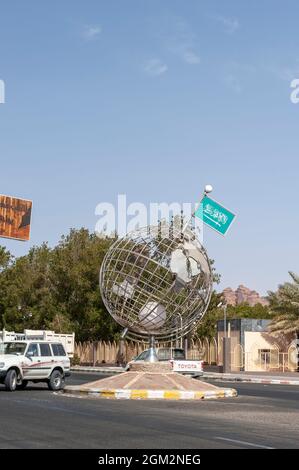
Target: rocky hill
243	295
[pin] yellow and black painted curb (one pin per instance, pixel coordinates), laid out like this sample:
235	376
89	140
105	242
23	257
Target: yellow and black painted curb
153	394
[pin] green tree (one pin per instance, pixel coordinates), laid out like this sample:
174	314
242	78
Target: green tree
5	260
75	282
208	327
284	303
26	290
57	288
245	310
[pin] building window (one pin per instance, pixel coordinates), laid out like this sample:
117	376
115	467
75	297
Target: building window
264	355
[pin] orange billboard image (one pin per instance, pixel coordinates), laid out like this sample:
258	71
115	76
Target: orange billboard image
15	217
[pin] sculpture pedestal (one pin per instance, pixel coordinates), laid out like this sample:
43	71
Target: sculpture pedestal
151	380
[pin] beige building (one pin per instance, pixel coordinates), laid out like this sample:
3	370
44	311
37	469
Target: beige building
254	349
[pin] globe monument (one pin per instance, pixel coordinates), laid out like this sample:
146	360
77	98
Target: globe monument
156	282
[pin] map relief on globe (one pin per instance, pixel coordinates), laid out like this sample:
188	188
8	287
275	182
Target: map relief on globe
157	281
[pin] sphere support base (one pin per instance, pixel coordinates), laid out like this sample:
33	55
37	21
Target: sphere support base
152	351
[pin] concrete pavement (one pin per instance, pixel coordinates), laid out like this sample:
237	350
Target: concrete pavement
262	416
105	370
254	378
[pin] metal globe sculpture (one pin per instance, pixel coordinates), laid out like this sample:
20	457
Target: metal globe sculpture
157	282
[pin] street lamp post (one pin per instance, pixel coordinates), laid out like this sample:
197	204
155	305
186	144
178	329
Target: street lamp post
224	320
226	341
208	189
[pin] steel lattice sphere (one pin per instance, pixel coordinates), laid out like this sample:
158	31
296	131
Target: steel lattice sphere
157	281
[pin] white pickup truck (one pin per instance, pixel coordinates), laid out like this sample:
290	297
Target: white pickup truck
67	339
35	361
177	358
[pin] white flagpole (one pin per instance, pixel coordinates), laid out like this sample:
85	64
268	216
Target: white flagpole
208	189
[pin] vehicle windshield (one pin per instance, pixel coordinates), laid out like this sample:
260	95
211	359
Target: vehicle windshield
12	348
142	356
165	354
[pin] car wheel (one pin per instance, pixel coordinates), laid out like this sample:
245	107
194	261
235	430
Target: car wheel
10	381
22	385
56	381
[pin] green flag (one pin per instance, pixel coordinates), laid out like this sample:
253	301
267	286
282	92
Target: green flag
214	215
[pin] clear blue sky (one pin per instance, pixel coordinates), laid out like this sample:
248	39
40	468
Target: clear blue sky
155	99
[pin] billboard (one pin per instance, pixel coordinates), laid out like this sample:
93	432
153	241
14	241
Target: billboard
15	217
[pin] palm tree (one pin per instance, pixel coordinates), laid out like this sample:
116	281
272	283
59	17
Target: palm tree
285	304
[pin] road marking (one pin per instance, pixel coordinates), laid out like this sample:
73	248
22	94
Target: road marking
243	442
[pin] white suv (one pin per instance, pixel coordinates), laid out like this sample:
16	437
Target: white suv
34	361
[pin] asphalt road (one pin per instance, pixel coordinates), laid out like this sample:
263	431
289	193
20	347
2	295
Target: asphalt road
263	416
